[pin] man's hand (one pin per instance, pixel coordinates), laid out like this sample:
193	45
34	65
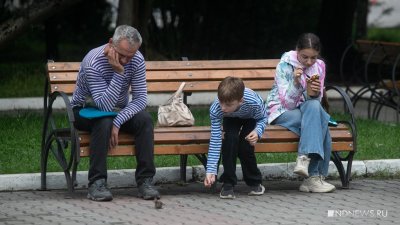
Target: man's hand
209	180
313	86
113	59
114	137
252	137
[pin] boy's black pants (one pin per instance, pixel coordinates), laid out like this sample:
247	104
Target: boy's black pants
235	145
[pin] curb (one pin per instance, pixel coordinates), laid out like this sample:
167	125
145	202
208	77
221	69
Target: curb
125	178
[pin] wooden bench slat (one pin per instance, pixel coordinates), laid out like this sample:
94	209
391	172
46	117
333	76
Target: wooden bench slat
202	86
211	64
63	77
389	84
63	66
196	86
203	149
202	136
190	75
207	128
209	75
182	65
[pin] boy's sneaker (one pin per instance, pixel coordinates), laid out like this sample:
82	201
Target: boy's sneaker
227	192
98	191
257	190
147	190
316	184
301	167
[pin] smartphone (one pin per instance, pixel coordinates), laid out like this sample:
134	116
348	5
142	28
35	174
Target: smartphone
332	122
314	77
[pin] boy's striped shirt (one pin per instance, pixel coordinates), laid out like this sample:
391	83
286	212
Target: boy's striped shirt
252	107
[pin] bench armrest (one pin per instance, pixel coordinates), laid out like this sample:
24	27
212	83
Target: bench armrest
349	109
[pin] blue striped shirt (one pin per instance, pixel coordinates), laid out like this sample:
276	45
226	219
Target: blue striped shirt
109	89
253	107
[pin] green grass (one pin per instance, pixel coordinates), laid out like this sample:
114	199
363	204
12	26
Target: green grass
377	140
21	80
384	34
20	143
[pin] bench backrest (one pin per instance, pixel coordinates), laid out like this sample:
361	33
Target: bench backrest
166	76
378	52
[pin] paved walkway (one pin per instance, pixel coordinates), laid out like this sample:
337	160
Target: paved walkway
366	202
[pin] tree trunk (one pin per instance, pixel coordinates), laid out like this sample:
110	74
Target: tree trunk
37	11
126	12
51	35
361	19
136	13
335	29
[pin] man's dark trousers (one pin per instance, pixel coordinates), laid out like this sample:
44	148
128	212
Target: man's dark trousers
141	126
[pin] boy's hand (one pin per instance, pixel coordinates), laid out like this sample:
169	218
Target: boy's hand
113	59
209	180
252	137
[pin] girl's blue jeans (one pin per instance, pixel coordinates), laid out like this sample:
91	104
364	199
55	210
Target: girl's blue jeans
310	122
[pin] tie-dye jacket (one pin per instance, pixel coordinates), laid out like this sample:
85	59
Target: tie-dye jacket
285	95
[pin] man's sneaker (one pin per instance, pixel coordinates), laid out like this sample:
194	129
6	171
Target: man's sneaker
257	190
147	190
301	167
316	184
98	191
227	192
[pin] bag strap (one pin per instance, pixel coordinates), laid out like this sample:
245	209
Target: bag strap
180	89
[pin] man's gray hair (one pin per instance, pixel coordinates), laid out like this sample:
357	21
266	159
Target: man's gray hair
129	33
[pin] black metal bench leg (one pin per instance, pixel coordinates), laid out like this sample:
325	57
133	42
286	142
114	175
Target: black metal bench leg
69	181
203	159
183	164
43	168
74	169
344	175
348	172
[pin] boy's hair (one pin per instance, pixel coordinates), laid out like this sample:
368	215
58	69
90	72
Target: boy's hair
230	89
308	40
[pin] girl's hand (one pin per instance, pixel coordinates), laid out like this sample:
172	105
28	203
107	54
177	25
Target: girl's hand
297	74
313	86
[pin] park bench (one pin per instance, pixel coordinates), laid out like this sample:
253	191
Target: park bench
373	65
165	77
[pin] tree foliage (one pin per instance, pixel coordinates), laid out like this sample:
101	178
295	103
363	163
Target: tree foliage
197	29
23	17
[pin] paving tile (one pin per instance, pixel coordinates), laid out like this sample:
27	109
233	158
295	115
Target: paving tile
379	200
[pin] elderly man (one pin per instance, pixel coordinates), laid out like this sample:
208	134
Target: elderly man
105	77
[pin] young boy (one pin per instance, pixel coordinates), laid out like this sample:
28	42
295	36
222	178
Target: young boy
243	115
